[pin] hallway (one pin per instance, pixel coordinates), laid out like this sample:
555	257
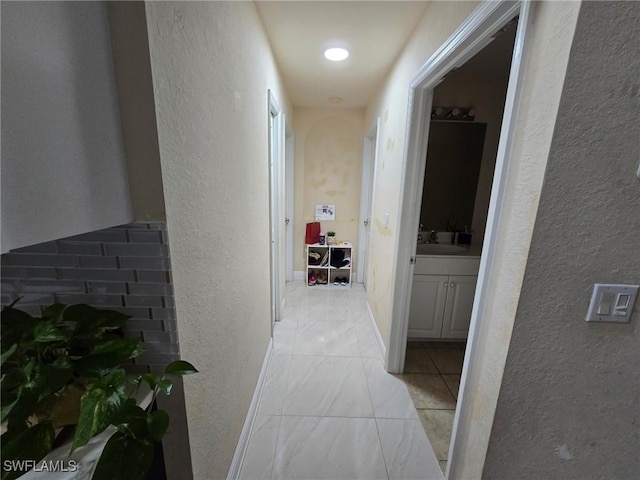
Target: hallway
328	408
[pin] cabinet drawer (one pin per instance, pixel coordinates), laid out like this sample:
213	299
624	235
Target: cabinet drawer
444	265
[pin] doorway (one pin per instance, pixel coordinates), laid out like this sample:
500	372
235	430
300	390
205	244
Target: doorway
463	137
289	212
276	184
369	165
470	38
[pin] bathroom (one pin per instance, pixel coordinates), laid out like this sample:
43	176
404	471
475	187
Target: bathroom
464	131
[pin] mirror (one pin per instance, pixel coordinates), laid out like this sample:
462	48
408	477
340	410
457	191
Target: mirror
454	155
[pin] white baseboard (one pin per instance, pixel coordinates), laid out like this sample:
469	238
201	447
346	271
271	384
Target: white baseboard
376	333
298	276
245	435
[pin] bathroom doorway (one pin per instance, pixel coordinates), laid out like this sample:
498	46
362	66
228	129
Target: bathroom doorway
463	137
480	29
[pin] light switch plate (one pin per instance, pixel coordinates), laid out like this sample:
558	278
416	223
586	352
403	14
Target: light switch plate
612	303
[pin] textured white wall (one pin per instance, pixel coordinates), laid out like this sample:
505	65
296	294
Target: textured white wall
545	62
63	166
212	67
570	396
328	169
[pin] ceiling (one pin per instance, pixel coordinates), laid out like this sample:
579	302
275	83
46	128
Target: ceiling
374	32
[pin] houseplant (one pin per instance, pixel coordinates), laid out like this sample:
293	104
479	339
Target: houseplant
331	237
62	375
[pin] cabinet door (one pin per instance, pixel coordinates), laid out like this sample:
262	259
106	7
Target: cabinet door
428	296
457	312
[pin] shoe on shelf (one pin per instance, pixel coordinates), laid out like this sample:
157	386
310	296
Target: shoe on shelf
344	281
336	281
321	278
312	279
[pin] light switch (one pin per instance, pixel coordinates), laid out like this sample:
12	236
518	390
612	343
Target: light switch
606	300
622	304
612	303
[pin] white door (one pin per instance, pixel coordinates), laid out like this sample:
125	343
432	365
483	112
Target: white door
369	162
457	312
289	202
428	298
275	184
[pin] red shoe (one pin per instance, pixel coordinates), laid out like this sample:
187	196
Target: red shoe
312	279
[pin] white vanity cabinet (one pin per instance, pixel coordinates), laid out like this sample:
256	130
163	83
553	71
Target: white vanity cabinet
442	297
428	298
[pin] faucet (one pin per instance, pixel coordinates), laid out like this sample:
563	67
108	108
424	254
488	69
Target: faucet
433	237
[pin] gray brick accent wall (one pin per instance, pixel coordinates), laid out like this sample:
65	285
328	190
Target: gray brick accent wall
124	268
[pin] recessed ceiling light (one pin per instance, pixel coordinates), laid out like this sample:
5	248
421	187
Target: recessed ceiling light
336	54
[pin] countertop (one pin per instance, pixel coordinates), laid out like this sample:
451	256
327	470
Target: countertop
426	250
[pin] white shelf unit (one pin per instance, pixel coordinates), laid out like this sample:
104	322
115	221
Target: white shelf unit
321	261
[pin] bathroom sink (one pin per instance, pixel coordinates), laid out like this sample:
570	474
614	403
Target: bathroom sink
440	249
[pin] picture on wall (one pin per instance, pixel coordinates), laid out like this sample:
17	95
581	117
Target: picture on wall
325	212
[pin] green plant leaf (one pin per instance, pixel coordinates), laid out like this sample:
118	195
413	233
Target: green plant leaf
93	417
123	346
91	322
54	312
52	379
165	386
114	381
124	458
180	367
31	444
28	397
132	421
63	362
5	356
151	379
29	368
107	355
100	406
47	331
158	424
13	378
139	350
6	409
17	326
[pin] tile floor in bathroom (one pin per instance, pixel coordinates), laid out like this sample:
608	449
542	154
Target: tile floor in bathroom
328	409
432	375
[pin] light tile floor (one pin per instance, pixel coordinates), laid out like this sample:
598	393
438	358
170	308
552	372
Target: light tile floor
432	375
328	409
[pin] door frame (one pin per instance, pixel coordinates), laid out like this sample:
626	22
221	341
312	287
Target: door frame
368	185
471	37
289	199
275	140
